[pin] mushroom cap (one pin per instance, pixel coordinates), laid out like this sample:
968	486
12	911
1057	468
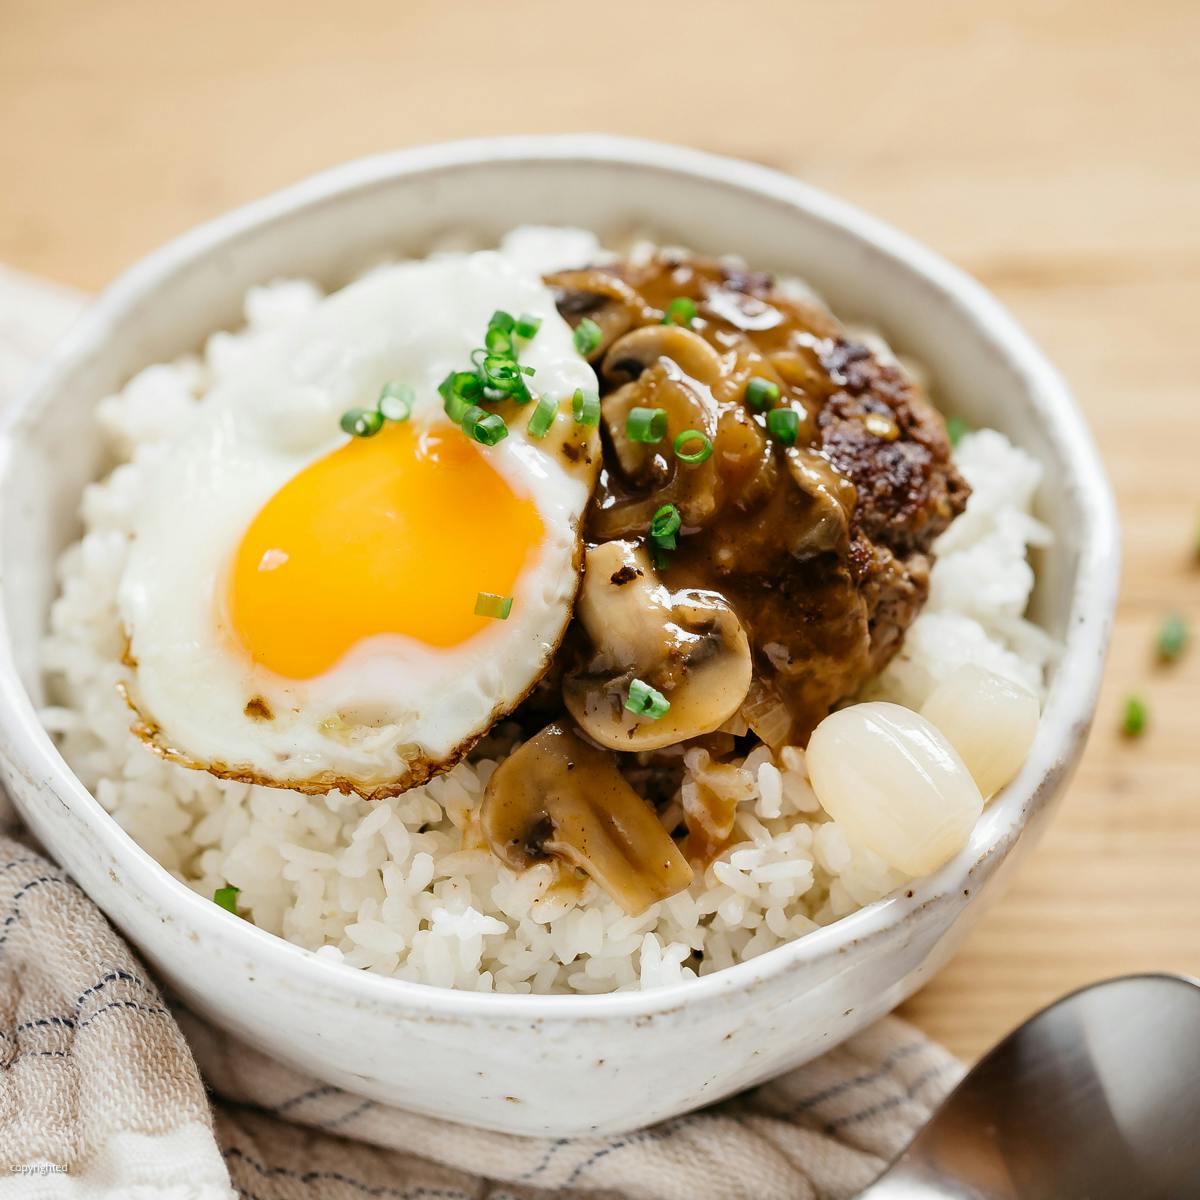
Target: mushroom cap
698	387
689	645
558	796
632	353
600	296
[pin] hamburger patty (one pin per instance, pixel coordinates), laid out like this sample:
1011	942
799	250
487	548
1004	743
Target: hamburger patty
816	528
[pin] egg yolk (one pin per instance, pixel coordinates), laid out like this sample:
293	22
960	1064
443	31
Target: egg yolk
397	533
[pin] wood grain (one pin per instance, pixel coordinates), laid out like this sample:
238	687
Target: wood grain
1051	147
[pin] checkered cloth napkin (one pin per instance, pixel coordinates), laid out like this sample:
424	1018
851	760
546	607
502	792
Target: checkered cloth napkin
108	1092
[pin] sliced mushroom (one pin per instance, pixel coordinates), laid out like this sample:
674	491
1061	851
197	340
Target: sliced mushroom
633	353
688	645
624	609
559	797
699	388
600	296
656	378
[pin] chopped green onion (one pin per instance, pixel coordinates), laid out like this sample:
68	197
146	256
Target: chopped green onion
588	335
484	427
466	384
1135	717
459	389
1172	637
498	341
783	424
501	371
543	417
527	325
490	430
585	407
488	604
456	407
646	701
395	401
956	430
520	392
681	311
226	897
361	422
664	526
703	451
646	425
762	394
497	376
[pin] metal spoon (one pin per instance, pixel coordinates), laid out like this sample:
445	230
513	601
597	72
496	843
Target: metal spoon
1095	1097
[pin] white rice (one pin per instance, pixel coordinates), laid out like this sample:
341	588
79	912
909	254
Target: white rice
386	886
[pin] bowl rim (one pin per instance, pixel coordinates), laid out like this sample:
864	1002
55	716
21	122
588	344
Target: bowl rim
1058	743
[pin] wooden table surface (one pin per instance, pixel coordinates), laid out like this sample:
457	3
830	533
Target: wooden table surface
1052	148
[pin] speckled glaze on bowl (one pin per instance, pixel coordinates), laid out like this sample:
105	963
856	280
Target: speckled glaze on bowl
545	1064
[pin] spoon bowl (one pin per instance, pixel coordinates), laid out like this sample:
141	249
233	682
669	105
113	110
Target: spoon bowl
1097	1096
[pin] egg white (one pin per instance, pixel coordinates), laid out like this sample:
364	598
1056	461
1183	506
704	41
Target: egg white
392	711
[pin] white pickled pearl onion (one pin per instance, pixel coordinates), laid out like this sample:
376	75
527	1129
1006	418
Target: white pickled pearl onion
894	785
988	719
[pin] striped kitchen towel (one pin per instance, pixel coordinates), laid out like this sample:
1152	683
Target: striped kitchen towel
108	1093
102	1096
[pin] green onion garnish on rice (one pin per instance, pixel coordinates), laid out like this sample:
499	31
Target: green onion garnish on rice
585	407
502	321
226	897
588	335
681	311
646	701
692	447
956	430
544	415
647	425
1135	717
1172	638
762	394
783	425
488	604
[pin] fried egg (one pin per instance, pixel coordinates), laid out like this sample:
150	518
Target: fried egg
300	604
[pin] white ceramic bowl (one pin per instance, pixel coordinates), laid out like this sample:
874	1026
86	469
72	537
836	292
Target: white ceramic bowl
545	1064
